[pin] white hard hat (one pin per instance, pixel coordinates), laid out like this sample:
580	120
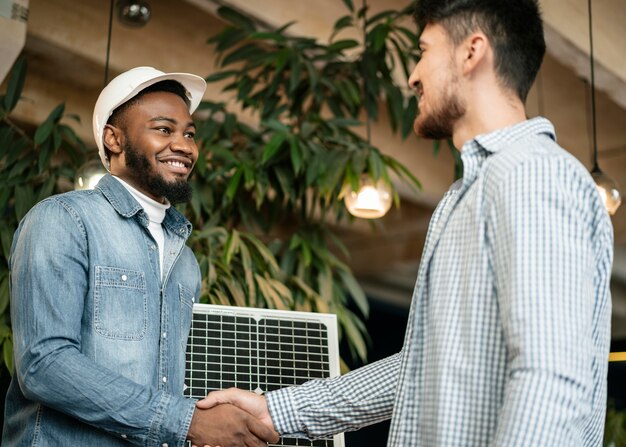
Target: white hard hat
129	84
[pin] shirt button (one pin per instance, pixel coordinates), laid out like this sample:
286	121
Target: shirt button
164	334
164	379
124	436
164	444
193	299
124	277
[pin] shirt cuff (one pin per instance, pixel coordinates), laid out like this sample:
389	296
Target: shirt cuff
282	407
171	422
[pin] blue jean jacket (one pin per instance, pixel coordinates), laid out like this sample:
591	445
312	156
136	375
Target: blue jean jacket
99	338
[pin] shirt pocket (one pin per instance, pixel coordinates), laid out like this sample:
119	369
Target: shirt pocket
186	311
120	303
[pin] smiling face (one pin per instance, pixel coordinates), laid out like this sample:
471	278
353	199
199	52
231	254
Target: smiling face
153	147
436	82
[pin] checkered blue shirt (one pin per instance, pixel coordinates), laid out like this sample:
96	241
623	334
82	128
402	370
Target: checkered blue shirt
508	335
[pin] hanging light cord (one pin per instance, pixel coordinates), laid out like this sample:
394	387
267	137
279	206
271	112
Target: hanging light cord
593	94
368	125
106	64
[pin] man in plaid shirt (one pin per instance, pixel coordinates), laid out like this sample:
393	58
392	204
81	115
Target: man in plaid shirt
508	335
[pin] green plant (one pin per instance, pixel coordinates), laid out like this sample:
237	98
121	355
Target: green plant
31	169
279	181
615	427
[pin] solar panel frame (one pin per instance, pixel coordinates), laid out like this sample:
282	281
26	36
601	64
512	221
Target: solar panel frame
260	350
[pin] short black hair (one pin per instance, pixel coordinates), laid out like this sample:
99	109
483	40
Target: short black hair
514	28
168	85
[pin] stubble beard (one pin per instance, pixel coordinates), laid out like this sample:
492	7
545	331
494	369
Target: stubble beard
439	124
177	191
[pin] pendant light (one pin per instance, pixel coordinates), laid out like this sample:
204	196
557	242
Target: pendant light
90	173
607	187
372	199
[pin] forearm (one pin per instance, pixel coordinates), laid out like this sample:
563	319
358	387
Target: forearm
64	380
322	408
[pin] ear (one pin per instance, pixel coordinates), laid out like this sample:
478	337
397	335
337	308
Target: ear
474	51
112	137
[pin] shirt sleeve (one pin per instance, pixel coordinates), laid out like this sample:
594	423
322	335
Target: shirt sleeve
49	275
543	239
322	408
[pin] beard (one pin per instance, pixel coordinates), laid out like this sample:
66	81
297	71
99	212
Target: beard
439	124
178	191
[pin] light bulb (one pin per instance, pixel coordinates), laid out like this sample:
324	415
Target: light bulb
609	191
89	174
370	201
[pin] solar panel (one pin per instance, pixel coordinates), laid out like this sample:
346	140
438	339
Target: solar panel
260	350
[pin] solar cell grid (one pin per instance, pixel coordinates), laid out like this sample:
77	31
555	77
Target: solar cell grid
260	350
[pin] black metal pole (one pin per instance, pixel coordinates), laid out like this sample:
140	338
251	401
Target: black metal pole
106	64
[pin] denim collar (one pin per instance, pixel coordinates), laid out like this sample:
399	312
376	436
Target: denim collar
126	206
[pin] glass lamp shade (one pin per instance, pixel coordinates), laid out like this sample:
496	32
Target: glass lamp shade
133	13
371	201
608	189
89	174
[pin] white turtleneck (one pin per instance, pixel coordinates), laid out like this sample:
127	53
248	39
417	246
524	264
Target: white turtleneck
156	214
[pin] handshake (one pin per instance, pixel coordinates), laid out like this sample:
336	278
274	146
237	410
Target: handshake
232	418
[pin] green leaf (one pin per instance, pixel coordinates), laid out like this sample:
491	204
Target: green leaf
24	200
242	53
325	281
46	189
6	236
381	15
272	146
15	85
357	343
43	131
4	293
402	171
7	354
231	247
228	38
296	72
349	4
262	250
249	277
276	37
295	154
436	147
341	45
356	291
221	75
409	116
236	292
343	22
233	185
236	18
269	293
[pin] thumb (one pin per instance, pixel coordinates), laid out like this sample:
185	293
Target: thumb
215	398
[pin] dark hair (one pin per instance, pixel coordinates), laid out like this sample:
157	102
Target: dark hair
514	28
168	85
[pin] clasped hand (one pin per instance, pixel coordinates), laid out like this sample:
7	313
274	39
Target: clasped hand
232	418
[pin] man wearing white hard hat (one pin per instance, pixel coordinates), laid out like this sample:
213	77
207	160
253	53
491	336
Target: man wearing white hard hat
102	289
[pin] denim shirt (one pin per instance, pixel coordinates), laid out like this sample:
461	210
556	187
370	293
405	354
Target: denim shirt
99	337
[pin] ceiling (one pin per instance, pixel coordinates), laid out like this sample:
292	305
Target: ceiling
66	48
